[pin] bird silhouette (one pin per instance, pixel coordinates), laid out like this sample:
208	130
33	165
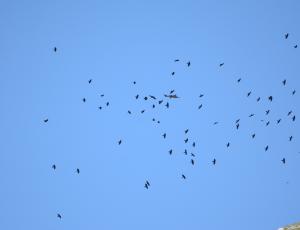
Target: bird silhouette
194	144
214	161
278	121
152	97
237	121
58	215
200	106
173	73
137	96
192	161
153	106
295	46
186	140
161	101
270	98
216	122
46	120
77	170
237	126
249	93
258	99
172	91
129	111
185	152
54	166
147	183
188	63
164	135
267	112
267	123
83	99
54	49
294	91
167	105
176	60
145	98
186	131
192	154
120	142
90	81
283	160
286	35
266	148
221	64
102	95
228	144
201	95
143	111
253	135
294	118
170	151
251	115
107	103
290	112
134	82
284	82
183	176
171	96
146	186
239	80
100	107
290	138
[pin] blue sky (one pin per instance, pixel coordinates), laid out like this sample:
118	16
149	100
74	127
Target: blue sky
118	42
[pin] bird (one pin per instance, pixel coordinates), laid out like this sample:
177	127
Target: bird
172	91
290	112
120	142
102	95
173	73
290	138
188	63
152	97
167	105
286	35
176	60
214	161
164	135
192	161
192	154
145	98
158	122
54	49
186	140
237	126
90	81
58	216
267	112
129	111
228	144
278	121
237	121
249	93
266	148
267	123
171	96
137	96
146	186
200	106
294	118
77	170
270	98
83	99
161	101
284	82
185	152
134	82
294	91
216	122
54	166
147	183
153	119
258	99
143	111
221	64
283	160
170	151
251	115
46	120
107	103
153	106
295	46
194	144
239	80
99	107
201	95
253	135
186	131
183	176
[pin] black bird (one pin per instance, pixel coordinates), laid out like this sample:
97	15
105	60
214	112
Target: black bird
152	97
293	93
90	81
214	161
158	122
267	112
164	135
143	111
153	119
237	126
172	91
186	131
129	111
107	103
294	118
55	49
102	95
153	106
192	154
194	144
267	123
253	135
161	101
46	120
137	96
186	140
216	122
286	35
248	94
54	167
283	160
188	64
173	73
221	64
258	99
58	216
200	106
270	98
176	60
83	99
170	151
266	148
278	121
228	144
295	46
185	152
291	137
119	142
289	113
146	186
192	161
183	176
237	121
284	82
147	183
77	170
167	105
251	115
99	107
145	98
239	80
134	82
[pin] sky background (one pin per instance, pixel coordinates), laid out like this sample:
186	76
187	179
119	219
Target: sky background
118	42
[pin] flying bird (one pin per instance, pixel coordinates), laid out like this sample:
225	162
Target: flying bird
90	81
258	99
293	93
253	135
186	140
54	166
161	101
214	161
137	96
152	97
145	98
278	121
194	144
267	112
188	63
77	170
46	120
216	122
102	95
290	138
58	216
267	123
55	49
129	111
289	113
200	106
172	91
134	82
294	118
183	176
248	94
221	64
237	126
284	82
283	160
176	60
251	115
107	103
201	95
266	148
119	142
167	105
99	107
228	144
83	99
239	80
153	106
171	96
146	186
173	73
170	151
286	35
143	111
192	161
185	152
270	98
237	121
164	135
295	46
186	131
147	182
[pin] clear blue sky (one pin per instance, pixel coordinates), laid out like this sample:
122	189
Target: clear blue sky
116	43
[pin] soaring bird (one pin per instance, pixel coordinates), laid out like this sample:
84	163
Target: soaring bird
176	60
173	73
172	91
146	186
267	123
152	97
167	105
249	93
170	151
147	182
251	115
216	122
185	152
294	118
201	95
286	35
258	99
290	112
90	81
161	101
58	216
46	120
237	126
102	95
290	138
153	106
188	63
192	161
54	166
143	111
270	98
295	46
107	103
55	49
228	144
186	140
171	96
284	82
186	131
137	96
77	170
100	107
192	154
266	148
200	106
253	135
283	160
119	142
239	80
134	82
214	161
194	144
294	91
267	112
278	121
164	135
221	64
183	176
237	121
83	99
129	111
145	98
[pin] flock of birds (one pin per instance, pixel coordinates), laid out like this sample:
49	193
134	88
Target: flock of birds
172	95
